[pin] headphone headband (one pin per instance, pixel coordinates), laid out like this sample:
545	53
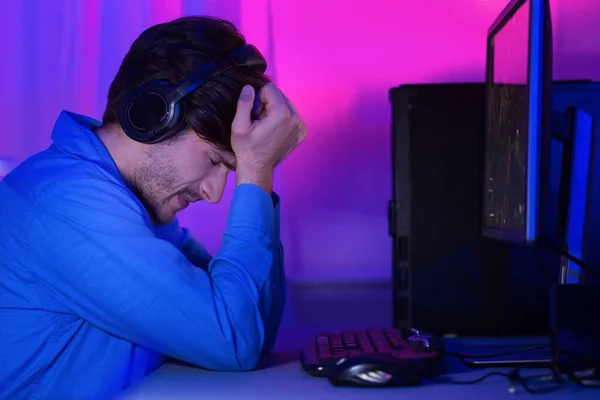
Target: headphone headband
155	111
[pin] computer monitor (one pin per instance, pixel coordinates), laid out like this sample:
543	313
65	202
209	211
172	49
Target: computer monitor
578	144
519	86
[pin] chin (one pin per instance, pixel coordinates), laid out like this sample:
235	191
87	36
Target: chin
161	219
167	221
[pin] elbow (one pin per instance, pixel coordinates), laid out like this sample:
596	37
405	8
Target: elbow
247	361
241	355
249	349
242	359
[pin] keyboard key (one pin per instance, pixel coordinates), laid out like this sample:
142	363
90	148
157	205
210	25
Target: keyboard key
323	340
349	339
323	349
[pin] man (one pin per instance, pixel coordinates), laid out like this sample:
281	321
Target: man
99	283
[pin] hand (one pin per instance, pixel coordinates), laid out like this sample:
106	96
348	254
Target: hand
258	111
260	144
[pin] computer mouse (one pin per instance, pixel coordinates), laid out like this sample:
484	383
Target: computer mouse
376	370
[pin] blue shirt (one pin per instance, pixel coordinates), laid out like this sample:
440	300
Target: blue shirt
93	297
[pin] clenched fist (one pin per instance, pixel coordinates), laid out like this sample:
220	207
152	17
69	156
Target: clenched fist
261	144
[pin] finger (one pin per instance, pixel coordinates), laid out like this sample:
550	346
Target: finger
242	119
302	130
284	156
289	151
290	105
295	117
300	134
258	109
273	100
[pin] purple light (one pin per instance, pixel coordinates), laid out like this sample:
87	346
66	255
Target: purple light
335	59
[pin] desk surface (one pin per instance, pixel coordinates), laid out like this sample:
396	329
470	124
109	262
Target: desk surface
288	380
281	376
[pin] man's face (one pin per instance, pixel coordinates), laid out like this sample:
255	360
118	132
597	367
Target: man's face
176	174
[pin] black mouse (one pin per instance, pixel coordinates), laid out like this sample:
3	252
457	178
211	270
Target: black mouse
376	370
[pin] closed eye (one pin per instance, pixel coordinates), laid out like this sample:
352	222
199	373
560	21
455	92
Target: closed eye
220	158
229	166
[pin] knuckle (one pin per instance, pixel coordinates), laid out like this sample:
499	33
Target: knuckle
295	119
280	116
237	129
302	128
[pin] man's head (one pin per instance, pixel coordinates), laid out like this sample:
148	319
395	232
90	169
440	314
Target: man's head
194	164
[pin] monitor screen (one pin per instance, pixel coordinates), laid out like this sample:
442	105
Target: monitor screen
507	136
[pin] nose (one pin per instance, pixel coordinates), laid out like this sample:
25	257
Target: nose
214	184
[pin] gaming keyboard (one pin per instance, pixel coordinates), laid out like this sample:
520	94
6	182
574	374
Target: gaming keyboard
405	344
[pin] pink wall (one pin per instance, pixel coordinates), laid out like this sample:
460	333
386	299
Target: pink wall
511	49
336	59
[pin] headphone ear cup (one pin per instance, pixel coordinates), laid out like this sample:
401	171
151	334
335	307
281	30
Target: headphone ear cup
148	116
179	119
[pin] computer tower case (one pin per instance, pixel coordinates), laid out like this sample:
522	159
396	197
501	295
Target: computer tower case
447	278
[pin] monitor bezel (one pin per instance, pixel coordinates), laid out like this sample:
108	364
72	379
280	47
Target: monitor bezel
535	84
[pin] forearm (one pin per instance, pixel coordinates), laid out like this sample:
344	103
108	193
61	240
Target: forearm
275	291
273	298
142	288
272	295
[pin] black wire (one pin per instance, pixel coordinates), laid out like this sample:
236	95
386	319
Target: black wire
542	265
547	243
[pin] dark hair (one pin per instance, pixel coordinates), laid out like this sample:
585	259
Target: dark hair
171	51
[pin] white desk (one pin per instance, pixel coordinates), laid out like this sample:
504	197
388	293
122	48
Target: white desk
281	376
288	381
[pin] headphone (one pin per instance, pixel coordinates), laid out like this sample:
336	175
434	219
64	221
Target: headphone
155	111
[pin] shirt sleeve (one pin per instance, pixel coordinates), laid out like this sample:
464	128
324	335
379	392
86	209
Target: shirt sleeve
97	257
273	293
195	251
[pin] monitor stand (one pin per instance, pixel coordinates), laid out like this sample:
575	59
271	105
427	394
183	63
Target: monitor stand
575	131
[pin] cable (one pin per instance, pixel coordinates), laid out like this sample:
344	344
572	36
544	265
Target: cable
550	245
516	380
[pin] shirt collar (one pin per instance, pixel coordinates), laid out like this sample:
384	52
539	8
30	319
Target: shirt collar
73	135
